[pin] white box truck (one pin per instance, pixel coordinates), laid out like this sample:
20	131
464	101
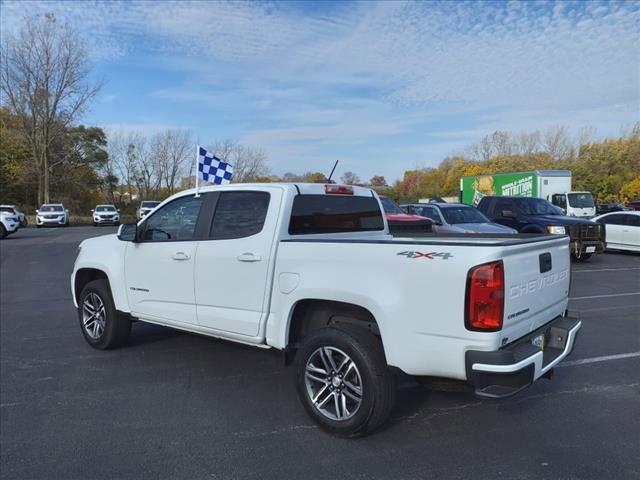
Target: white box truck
551	185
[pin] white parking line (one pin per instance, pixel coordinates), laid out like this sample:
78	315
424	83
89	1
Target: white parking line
605	296
604	269
599	359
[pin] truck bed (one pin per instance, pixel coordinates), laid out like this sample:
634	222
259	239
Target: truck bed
415	287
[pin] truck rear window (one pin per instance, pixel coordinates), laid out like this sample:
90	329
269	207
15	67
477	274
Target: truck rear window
334	214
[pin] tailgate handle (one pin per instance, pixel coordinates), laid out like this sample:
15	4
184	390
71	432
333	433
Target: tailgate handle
545	262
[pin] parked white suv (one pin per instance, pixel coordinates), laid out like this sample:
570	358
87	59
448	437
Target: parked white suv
311	270
105	214
9	223
145	207
12	209
52	214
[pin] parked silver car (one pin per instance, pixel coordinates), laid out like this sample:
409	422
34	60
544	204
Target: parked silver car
145	207
456	218
105	214
52	214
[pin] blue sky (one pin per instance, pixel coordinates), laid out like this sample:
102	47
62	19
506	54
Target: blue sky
382	86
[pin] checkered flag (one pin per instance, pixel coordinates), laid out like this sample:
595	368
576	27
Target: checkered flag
212	169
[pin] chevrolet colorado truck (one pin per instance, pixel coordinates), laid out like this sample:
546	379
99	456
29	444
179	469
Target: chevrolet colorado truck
311	270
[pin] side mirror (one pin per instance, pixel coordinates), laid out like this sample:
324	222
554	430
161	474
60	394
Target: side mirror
92	210
37	211
128	232
508	214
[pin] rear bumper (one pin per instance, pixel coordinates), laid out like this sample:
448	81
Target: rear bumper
581	246
505	372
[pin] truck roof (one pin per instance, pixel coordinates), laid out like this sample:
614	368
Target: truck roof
301	188
541	173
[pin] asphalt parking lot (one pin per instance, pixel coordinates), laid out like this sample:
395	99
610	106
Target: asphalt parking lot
176	405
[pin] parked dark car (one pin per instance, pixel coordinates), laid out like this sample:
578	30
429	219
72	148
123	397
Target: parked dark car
535	215
634	204
602	208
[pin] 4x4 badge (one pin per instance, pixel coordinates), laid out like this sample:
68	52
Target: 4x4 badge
429	256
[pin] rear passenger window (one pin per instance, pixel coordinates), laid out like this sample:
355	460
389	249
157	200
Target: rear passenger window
616	219
633	220
334	214
239	215
500	206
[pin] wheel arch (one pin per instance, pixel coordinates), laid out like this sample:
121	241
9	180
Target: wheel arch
310	314
86	275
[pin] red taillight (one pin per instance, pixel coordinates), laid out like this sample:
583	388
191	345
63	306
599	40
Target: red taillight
338	189
485	297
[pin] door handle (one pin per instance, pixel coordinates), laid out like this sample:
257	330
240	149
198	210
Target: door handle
249	257
180	256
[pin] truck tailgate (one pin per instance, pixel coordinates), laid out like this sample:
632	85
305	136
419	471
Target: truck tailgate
537	280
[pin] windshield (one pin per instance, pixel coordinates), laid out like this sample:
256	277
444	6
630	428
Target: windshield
536	206
390	206
429	212
105	208
455	215
150	204
51	208
580	200
6	209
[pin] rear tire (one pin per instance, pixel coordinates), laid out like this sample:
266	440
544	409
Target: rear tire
102	326
581	258
346	373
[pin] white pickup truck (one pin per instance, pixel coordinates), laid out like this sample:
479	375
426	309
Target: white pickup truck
313	271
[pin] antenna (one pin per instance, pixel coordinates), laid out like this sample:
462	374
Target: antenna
332	170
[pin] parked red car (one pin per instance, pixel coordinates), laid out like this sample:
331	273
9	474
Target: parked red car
403	222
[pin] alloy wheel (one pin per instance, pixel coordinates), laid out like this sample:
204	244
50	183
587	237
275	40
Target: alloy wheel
334	384
93	316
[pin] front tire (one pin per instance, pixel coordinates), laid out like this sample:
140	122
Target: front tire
3	231
343	381
101	324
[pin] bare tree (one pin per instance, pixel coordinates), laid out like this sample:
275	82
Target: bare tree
556	142
350	178
586	135
177	150
527	143
43	78
122	153
249	164
148	171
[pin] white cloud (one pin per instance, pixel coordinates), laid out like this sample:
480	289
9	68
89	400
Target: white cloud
346	73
